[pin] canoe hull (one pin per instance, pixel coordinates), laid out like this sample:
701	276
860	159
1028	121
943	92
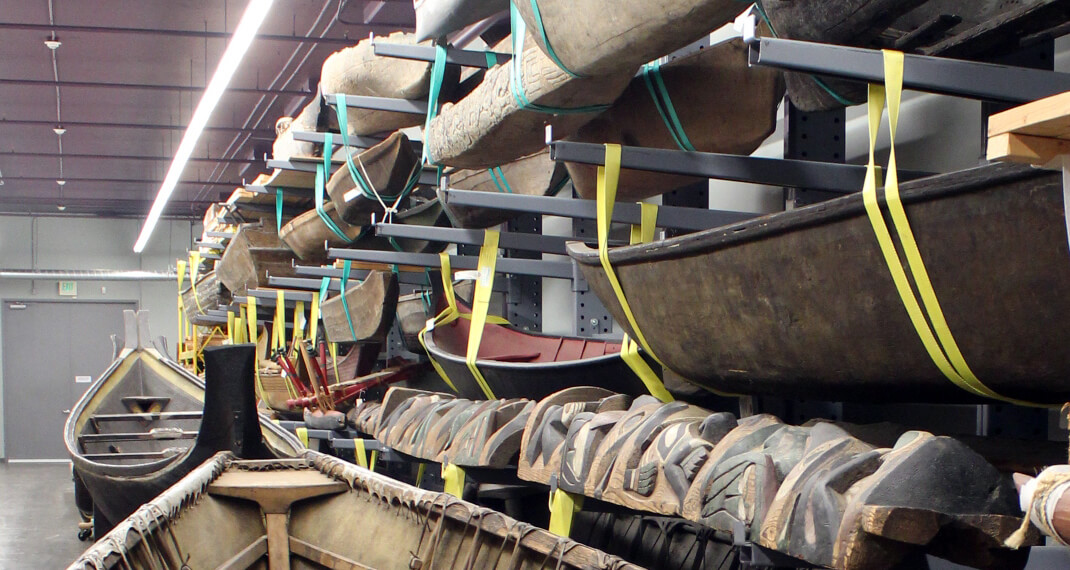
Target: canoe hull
801	304
253	254
372	304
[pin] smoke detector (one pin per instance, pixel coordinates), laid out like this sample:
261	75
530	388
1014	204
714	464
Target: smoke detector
53	44
59	131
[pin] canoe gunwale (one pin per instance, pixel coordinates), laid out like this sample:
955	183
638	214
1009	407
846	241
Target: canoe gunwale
777	223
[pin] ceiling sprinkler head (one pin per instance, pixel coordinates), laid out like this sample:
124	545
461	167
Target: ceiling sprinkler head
53	44
61	207
59	131
61	182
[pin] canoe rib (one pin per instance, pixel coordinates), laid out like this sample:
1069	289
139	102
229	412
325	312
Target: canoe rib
736	325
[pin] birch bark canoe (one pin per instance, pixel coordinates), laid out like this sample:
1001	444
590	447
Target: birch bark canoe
489	127
766	306
603	37
724	106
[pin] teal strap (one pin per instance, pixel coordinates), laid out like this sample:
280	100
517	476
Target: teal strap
345	304
492	59
328	145
343	125
325	283
655	84
546	40
278	210
500	182
438	72
560	185
516	81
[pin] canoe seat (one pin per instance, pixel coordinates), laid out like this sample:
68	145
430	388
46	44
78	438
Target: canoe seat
146	416
143	404
143	455
154	434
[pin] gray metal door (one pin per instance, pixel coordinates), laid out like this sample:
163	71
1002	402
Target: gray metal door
51	352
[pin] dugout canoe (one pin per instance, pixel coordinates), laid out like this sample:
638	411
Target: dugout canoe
436	18
801	304
146	422
600	37
519	364
311	119
306	233
962	29
209	293
532	175
255	252
722	104
388	168
300	513
371	305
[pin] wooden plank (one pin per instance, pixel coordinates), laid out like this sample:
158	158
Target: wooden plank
278	543
1026	149
1048	117
323	557
247	556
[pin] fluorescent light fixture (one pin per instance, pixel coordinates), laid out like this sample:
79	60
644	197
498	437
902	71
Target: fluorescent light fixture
243	37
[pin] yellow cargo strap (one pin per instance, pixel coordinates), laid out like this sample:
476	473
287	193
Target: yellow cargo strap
359	454
278	326
252	322
302	434
939	342
448	315
242	333
299	325
314	316
371	460
239	330
454	479
563	506
194	268
181	269
230	327
333	348
608	177
488	257
420	474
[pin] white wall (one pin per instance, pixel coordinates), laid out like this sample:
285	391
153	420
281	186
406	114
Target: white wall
93	243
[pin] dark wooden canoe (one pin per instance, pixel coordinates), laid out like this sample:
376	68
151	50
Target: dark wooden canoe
147	422
254	252
413	310
371	302
723	105
532	175
387	168
598	37
269	514
800	304
518	364
964	29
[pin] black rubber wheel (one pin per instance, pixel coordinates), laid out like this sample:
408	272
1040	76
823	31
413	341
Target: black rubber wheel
85	534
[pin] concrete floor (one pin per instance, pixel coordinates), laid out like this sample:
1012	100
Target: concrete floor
38	520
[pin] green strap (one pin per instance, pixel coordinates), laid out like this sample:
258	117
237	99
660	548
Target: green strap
516	82
325	166
356	175
500	182
655	84
278	210
492	59
546	40
345	304
438	72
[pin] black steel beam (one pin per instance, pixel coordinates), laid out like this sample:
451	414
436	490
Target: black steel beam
146	126
356	141
693	219
311	284
148	87
428	175
126	157
410	106
506	240
832	177
158	32
467	58
985	81
533	267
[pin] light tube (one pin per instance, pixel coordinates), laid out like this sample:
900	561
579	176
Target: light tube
243	37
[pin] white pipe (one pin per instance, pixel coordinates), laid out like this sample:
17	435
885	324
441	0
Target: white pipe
88	274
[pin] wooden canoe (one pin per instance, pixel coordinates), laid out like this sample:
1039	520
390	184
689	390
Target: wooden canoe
208	294
600	37
518	364
387	168
800	304
306	234
724	106
300	513
532	175
413	310
310	119
146	422
357	70
963	29
254	252
371	302
489	127
436	18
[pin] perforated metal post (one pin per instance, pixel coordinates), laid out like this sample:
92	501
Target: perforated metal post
818	137
524	296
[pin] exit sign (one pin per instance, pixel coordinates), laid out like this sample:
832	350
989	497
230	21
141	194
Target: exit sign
68	288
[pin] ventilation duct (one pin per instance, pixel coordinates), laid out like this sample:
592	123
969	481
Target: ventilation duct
88	274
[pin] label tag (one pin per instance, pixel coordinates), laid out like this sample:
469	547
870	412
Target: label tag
83	379
468	275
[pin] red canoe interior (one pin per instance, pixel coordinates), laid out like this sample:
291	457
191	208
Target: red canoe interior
506	344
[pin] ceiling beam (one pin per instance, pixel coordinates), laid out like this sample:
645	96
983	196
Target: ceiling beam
125	157
146	126
52	179
157	32
149	87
